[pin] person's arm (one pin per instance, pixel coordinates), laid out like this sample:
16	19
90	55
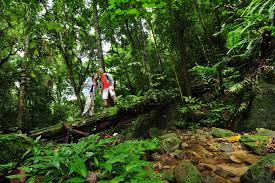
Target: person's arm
85	83
94	90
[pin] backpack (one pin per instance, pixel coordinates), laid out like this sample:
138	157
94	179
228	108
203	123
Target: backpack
110	100
107	77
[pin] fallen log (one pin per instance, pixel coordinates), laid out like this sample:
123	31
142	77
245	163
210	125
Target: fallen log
81	127
99	122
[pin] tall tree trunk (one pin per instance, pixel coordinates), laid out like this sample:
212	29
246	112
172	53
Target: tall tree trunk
130	34
68	61
22	93
145	53
155	43
181	46
98	36
23	76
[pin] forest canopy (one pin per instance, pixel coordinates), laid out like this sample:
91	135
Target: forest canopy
48	48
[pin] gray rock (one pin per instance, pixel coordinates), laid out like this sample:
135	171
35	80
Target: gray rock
224	173
265	132
226	147
262	113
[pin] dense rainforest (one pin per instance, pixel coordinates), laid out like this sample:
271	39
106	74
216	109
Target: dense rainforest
137	91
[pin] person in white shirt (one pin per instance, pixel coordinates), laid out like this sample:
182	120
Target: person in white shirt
89	89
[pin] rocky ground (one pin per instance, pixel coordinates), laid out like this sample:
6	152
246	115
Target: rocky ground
209	155
220	156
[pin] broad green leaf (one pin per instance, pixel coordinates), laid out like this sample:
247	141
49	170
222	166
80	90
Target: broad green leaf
32	45
53	25
36	52
114	180
17	176
118	12
107	166
7	166
31	180
78	166
76	180
133	11
96	161
233	38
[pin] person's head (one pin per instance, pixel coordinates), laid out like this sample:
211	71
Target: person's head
101	71
95	76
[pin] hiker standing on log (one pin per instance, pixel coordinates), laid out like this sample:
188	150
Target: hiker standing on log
89	89
107	86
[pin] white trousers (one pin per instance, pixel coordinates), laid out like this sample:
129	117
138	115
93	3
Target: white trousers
106	92
89	104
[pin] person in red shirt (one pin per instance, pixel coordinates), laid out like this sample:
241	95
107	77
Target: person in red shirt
107	86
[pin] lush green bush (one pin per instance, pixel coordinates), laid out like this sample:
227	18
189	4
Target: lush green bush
111	162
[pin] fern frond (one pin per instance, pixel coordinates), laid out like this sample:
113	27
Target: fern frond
238	87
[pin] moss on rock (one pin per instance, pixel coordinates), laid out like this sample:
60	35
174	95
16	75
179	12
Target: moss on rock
13	147
255	143
256	148
168	175
186	172
169	142
221	133
261	172
253	138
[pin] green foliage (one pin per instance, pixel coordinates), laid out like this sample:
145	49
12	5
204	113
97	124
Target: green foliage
129	101
123	161
253	19
13	147
219	113
8	95
73	162
238	87
204	74
191	104
161	95
207	113
148	42
153	95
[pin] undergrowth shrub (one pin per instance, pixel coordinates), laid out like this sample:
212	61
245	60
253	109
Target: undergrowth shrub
72	163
